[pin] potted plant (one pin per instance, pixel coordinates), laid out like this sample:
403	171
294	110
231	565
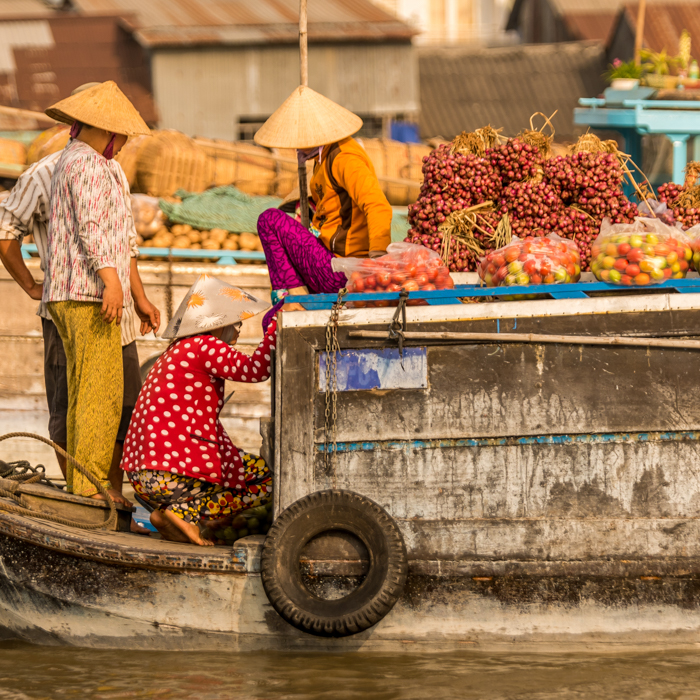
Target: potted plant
657	66
623	75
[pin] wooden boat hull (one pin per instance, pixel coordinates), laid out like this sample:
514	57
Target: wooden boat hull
546	495
48	596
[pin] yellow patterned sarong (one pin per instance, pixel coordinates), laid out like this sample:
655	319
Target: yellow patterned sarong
95	388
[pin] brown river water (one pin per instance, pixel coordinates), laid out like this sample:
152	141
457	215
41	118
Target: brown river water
50	672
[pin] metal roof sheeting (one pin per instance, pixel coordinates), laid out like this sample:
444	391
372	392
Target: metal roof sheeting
664	23
463	90
173	22
58	54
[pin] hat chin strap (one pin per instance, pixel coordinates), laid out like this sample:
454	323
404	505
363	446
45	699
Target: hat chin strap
108	153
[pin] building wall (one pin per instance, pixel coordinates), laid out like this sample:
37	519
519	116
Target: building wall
205	92
449	22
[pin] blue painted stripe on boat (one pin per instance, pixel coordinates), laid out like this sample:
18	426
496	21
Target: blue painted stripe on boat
595	438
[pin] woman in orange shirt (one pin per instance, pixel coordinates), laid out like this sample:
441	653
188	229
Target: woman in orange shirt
352	216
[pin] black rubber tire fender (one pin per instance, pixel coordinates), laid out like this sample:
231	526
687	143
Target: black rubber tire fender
305	519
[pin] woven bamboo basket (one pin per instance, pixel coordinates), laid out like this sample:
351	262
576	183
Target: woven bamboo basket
401	161
48	142
168	161
243	165
128	158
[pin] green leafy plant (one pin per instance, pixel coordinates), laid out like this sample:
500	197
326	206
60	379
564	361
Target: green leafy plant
659	63
619	69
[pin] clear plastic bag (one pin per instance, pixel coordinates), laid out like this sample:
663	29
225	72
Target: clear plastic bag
531	261
659	210
693	235
643	253
405	267
148	217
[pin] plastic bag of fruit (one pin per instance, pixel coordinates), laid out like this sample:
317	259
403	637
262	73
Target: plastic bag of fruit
254	521
405	267
694	236
645	252
148	217
530	261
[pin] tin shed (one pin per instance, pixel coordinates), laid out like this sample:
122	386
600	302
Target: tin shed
220	69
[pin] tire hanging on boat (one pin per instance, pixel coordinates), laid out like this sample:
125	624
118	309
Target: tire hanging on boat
311	516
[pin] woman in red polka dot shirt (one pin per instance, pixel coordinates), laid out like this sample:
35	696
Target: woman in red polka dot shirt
177	454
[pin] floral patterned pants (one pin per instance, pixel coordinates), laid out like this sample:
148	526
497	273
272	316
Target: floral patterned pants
195	499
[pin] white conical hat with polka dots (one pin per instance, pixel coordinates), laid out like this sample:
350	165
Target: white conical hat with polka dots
210	304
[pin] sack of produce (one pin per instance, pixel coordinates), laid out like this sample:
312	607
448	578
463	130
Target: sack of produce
48	142
405	267
12	152
639	254
532	260
693	235
254	521
148	218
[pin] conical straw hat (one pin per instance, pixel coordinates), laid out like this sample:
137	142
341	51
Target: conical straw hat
212	303
307	119
104	106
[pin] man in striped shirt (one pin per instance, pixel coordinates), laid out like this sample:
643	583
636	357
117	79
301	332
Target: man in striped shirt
26	212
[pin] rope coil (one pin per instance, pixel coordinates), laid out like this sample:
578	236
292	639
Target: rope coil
8	490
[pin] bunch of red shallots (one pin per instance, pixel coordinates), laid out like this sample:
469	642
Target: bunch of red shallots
567	195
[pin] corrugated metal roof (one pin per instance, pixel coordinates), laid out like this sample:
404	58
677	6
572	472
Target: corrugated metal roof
664	23
65	51
464	90
192	14
590	26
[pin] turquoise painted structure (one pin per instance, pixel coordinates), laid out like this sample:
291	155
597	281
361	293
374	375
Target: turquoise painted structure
633	115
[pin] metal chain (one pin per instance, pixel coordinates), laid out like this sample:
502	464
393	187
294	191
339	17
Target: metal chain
169	287
332	350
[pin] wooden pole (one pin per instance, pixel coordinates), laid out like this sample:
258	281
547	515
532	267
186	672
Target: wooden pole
304	64
639	35
537	338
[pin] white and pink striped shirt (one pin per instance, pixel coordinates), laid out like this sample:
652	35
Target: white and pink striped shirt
90	226
25	211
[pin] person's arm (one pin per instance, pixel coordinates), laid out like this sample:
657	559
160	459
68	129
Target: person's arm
16	213
147	312
362	185
229	363
11	257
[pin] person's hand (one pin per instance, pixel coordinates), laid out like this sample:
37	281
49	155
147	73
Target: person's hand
36	291
112	303
148	314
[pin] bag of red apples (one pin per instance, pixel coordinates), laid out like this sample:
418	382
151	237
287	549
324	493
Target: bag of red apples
532	260
405	267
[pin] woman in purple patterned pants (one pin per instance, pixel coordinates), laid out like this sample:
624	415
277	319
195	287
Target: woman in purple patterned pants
295	258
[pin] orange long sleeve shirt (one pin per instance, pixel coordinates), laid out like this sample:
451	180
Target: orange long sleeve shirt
352	213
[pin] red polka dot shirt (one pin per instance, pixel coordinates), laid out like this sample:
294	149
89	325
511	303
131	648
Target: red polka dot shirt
175	426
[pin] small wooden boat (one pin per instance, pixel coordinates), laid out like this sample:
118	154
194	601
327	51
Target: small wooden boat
469	492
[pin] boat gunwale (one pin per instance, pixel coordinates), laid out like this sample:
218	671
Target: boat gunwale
48	536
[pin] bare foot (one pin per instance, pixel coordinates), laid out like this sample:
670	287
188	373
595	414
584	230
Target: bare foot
139	529
115	496
293	306
177	530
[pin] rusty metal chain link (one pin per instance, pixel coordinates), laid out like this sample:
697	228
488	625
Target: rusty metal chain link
331	416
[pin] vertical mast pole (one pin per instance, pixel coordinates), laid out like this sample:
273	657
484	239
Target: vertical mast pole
304	65
639	36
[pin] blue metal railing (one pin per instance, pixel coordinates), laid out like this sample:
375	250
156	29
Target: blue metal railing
219	257
578	290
